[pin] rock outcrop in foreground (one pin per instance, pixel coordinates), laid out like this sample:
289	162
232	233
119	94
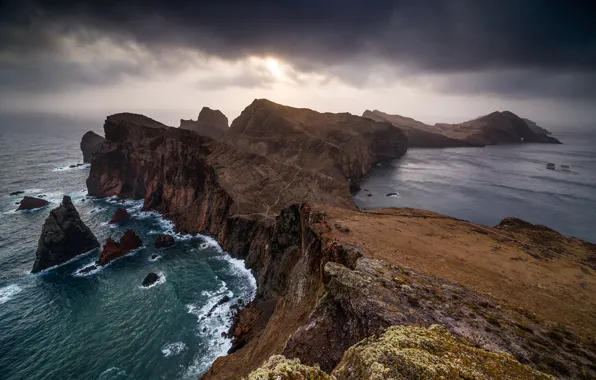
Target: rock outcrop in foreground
210	123
495	128
408	352
275	193
90	144
31	203
63	236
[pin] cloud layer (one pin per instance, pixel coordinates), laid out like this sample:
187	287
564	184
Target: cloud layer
514	48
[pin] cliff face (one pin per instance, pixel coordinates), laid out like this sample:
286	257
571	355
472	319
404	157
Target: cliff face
210	123
495	128
90	144
63	236
342	146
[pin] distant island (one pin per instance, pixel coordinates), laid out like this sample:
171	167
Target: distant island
495	128
339	289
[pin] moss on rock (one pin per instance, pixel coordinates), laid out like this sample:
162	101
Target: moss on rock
280	368
410	352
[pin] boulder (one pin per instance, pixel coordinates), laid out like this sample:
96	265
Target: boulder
164	241
113	250
91	144
30	203
150	279
63	236
121	215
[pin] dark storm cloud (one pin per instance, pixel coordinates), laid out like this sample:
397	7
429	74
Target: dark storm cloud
438	37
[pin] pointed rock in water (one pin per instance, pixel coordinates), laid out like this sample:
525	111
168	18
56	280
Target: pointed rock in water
30	203
63	236
150	279
121	215
91	144
164	241
113	250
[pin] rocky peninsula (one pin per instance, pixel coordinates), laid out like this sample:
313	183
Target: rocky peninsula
495	128
334	280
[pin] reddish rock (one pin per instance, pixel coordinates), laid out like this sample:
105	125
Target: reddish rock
164	241
30	203
121	215
113	250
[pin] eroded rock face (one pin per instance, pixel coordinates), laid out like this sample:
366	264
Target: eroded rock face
30	203
90	144
210	123
342	146
121	215
164	241
113	250
198	182
63	236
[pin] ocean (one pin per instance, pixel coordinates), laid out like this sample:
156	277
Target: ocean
60	325
485	185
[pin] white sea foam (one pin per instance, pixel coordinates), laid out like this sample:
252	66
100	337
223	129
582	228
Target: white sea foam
172	349
160	280
394	195
154	258
99	268
66	167
111	373
8	292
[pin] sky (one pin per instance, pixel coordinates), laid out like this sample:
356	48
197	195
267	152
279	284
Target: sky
436	61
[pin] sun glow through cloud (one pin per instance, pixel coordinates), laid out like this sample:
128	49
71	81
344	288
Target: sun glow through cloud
274	67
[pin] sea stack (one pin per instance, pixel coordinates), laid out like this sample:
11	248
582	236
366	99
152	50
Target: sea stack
113	250
63	236
121	215
90	144
30	203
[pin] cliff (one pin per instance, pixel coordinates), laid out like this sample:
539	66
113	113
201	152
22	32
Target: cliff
342	146
329	275
495	128
90	144
63	236
210	123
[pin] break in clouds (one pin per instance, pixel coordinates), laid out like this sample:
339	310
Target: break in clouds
514	49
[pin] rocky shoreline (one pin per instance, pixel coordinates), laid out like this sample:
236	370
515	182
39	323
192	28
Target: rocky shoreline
275	191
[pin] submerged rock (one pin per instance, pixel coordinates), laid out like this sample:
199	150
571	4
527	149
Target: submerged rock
63	236
121	215
91	144
164	241
113	250
150	279
30	203
17	192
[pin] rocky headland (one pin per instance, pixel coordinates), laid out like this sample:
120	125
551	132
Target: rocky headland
63	236
275	191
210	123
90	144
495	128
